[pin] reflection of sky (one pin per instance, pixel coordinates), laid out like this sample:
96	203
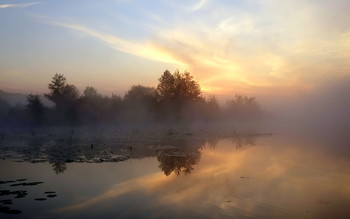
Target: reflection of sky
288	180
249	46
79	182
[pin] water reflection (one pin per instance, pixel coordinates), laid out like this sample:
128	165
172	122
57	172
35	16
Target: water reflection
58	167
244	140
178	161
277	178
268	181
175	153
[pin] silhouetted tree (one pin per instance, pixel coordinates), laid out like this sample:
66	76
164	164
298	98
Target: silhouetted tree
211	109
65	97
139	93
179	95
178	87
91	93
57	87
243	107
93	108
70	94
177	99
35	108
91	104
139	104
114	108
61	93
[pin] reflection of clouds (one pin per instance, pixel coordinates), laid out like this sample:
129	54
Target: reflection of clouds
283	182
146	182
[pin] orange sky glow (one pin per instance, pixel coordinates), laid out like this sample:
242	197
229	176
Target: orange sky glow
261	48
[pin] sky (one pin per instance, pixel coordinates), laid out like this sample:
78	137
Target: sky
253	47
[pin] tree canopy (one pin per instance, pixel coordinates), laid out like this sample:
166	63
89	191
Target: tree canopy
177	99
61	93
178	87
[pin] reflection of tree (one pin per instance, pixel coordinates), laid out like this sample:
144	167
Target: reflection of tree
61	152
243	141
183	158
178	161
212	142
59	167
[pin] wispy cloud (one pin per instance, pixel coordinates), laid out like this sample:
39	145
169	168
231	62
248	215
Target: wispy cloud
145	49
236	47
2	6
198	5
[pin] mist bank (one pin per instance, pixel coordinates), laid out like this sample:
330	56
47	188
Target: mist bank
322	113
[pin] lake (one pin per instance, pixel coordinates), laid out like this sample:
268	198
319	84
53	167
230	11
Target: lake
180	176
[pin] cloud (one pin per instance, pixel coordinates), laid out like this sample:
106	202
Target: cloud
199	5
2	6
143	49
267	46
145	182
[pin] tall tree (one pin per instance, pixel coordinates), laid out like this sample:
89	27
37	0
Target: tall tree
178	87
57	87
139	104
91	93
70	94
61	93
139	93
243	107
179	96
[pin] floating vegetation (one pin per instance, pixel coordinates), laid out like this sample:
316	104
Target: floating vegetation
19	194
27	184
8	192
8	210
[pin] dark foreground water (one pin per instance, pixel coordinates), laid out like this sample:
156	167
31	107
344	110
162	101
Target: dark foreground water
239	177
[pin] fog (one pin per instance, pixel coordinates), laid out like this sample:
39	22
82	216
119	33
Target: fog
294	140
176	103
321	114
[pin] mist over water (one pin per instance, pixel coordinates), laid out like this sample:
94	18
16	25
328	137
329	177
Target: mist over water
322	113
246	158
175	109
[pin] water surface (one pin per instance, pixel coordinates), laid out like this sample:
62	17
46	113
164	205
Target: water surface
236	177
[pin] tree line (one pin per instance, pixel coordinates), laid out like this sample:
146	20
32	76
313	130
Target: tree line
176	99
